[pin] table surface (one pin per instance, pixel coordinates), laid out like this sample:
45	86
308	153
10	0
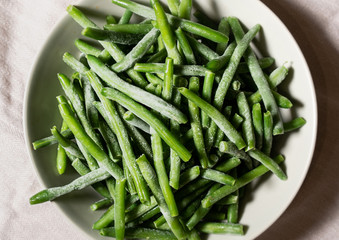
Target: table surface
24	26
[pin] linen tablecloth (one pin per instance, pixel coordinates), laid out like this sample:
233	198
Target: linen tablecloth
24	26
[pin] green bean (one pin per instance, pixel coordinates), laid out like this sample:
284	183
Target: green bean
202	49
79	167
218	63
110	36
87	48
258	125
186	25
237	120
129	28
174	157
85	140
220	134
264	63
82	169
230	148
278	75
236	85
126	17
135	93
147	233
87	95
119	209
294	124
166	32
162	174
136	136
140	210
275	78
232	66
233	209
217	176
189	175
108	216
68	145
110	47
189	211
105	219
268	131
259	79
111	188
173	6
247	127
78	184
61	159
228	164
198	137
150	88
92	163
137	52
101	204
185	46
201	212
111	19
154	79
110	139
281	100
158	90
181	70
215	216
146	216
151	179
241	181
136	122
216	116
78	86
207	96
185	9
223	27
129	179
168	80
228	200
227	79
150	119
158	57
268	163
220	228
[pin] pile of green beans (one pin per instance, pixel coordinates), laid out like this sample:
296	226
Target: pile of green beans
169	121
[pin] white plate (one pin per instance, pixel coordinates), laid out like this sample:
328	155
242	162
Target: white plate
269	200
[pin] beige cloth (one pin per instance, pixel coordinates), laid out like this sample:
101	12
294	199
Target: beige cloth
24	25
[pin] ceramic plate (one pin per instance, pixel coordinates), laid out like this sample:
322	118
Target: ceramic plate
270	198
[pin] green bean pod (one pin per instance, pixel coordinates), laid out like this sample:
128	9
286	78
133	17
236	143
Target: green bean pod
258	125
137	52
216	116
119	209
241	181
294	124
151	179
247	127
